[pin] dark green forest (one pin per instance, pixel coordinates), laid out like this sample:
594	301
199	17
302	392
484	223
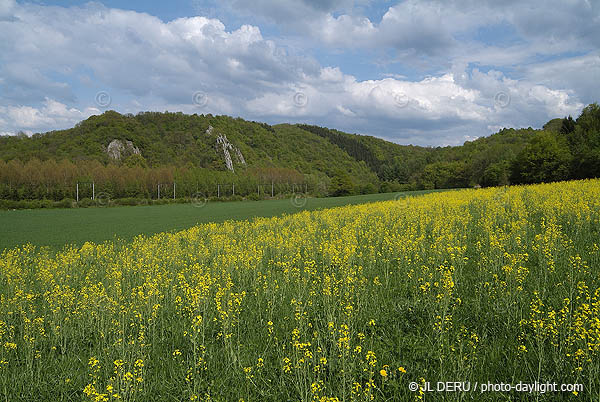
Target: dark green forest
281	159
565	148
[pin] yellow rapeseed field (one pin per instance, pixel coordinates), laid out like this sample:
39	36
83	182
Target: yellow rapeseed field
347	304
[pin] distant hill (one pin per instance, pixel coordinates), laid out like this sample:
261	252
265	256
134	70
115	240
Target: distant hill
153	147
179	139
176	139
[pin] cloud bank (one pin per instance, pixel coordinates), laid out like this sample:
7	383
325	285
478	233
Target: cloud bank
493	66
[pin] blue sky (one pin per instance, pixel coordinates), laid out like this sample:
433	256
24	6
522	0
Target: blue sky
428	72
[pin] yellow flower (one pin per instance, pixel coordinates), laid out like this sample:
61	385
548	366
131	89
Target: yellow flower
371	358
383	373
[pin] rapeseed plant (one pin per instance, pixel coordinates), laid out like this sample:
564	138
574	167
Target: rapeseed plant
470	285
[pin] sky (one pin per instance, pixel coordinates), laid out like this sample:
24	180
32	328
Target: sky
422	72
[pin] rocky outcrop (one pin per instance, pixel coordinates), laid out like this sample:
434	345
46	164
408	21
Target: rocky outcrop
239	155
223	145
118	149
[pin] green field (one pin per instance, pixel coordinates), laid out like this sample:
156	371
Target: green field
376	302
57	227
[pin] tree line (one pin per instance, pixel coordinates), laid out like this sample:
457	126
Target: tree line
52	180
177	148
565	148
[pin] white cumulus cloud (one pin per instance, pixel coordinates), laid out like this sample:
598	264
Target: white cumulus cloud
54	59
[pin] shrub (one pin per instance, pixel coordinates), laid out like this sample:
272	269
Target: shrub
86	202
64	203
127	201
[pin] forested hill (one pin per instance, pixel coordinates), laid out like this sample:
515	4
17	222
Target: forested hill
168	146
565	148
177	139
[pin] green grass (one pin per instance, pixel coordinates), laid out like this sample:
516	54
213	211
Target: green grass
349	304
58	227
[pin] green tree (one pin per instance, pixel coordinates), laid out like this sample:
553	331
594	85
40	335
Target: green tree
545	159
341	184
135	160
496	174
554	125
445	175
567	125
584	142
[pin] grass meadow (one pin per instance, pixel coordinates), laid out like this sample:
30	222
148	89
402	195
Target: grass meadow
57	227
355	303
